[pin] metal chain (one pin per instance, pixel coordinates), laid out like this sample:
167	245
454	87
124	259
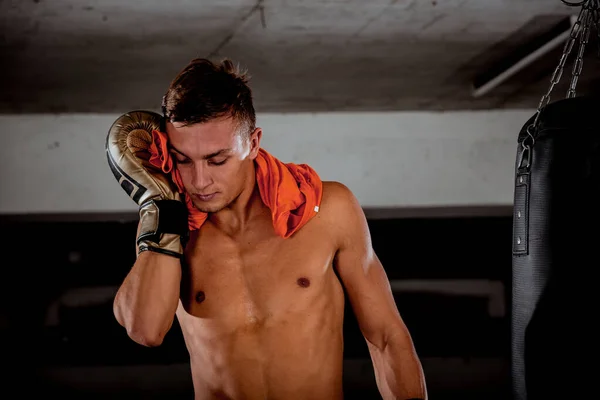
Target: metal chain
583	40
575	31
588	14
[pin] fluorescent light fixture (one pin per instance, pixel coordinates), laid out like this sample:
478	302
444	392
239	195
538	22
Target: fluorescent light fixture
492	81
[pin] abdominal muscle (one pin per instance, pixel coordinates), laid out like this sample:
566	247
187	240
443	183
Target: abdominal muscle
295	355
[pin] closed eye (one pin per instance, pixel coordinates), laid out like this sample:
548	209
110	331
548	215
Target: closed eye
211	162
182	160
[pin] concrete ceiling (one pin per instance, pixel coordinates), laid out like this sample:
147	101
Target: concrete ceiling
354	55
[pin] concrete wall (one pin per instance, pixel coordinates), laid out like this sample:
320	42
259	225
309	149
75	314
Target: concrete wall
57	164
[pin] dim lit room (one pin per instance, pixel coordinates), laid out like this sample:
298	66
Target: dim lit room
299	200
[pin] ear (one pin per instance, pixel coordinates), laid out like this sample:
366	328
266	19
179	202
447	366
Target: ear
254	139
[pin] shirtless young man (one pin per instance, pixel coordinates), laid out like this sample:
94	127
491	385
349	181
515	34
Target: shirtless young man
262	315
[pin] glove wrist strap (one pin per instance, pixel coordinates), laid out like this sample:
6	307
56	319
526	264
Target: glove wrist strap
163	227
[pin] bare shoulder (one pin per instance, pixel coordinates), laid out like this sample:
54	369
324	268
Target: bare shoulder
340	207
336	194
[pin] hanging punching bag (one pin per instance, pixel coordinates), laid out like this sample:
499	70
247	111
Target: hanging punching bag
556	253
556	239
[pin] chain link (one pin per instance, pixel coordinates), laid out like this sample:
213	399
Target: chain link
583	40
581	30
588	14
575	30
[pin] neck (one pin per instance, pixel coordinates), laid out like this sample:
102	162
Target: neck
236	217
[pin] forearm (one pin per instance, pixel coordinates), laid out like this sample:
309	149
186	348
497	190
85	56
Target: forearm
146	302
398	370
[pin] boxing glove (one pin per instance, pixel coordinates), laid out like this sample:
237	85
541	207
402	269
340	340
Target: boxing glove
163	225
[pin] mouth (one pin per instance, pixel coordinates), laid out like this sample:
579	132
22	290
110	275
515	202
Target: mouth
205	197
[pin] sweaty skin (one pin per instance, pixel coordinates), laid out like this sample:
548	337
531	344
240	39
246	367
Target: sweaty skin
262	316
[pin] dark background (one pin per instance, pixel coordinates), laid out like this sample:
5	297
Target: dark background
86	354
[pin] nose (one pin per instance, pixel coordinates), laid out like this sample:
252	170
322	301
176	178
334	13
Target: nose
201	177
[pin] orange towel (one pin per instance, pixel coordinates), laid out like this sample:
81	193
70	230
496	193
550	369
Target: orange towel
293	192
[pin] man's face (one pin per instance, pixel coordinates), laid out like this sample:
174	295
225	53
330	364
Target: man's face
213	159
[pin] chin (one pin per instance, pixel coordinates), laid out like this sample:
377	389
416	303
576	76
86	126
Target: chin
207	207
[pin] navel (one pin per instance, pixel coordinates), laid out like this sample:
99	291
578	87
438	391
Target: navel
200	297
303	282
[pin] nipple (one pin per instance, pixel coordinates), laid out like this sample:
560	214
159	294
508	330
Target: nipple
200	297
303	282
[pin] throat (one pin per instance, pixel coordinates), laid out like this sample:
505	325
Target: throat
241	214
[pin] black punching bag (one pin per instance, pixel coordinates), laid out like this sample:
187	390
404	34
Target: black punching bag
556	254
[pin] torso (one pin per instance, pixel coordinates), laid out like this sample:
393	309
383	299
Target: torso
261	315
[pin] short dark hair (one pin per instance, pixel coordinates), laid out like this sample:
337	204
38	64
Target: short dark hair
205	90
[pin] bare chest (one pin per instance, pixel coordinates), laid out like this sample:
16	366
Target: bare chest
256	277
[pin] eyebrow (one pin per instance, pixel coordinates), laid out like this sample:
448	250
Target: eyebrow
205	157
